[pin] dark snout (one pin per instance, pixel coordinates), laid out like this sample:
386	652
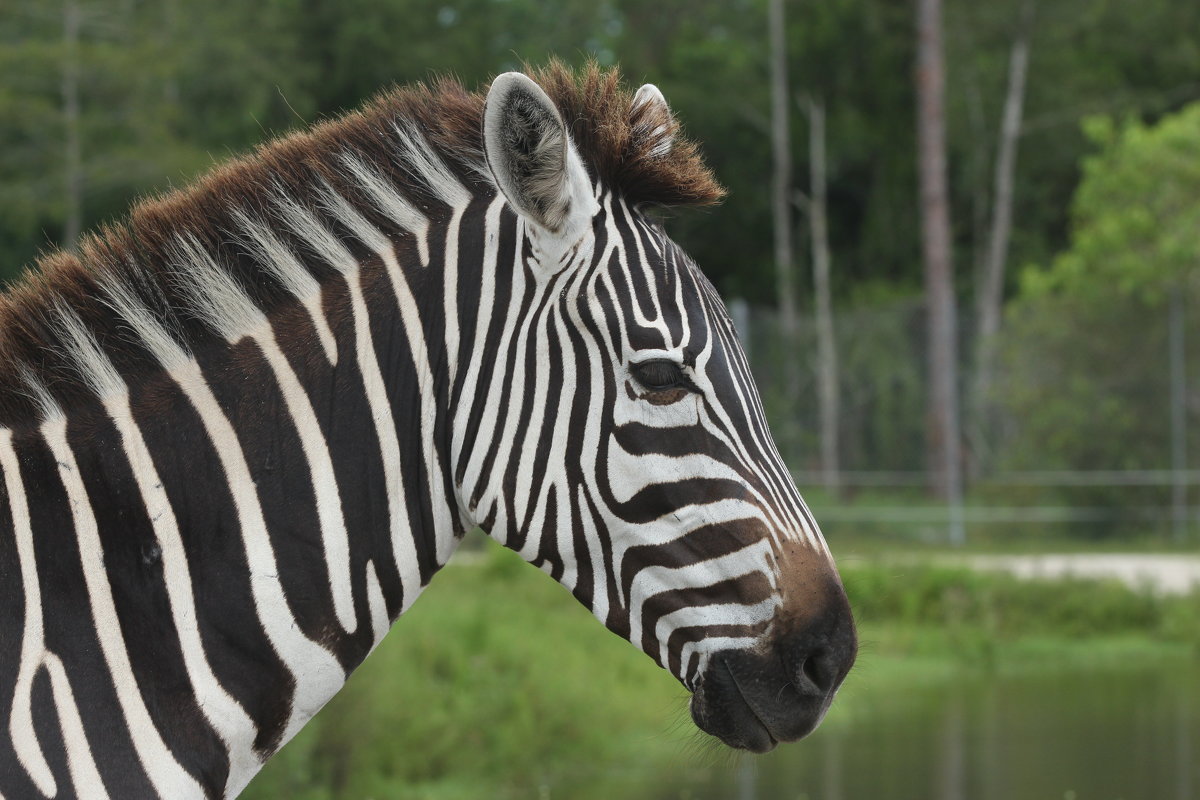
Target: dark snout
779	691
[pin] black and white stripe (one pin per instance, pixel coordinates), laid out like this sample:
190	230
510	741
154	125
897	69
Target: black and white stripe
228	499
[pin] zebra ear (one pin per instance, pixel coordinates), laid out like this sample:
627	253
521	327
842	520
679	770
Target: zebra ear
530	154
651	117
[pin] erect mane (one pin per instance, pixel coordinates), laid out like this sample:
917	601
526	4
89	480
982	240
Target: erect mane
622	146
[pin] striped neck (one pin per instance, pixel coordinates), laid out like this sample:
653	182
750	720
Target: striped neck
262	503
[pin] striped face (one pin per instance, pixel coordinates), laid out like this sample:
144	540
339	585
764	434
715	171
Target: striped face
640	471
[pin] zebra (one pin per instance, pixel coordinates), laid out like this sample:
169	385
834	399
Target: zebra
242	430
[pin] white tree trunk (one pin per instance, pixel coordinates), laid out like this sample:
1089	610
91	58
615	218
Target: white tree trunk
781	197
990	298
1177	345
827	361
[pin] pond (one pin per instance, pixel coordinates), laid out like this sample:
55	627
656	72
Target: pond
1101	734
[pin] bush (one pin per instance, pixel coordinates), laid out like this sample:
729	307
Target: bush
1007	607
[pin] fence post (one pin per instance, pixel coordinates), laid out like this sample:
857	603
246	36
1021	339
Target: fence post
747	779
1178	374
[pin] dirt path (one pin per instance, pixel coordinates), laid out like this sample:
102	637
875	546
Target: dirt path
1167	574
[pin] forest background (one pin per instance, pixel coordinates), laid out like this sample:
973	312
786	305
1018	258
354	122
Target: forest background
1067	274
1071	174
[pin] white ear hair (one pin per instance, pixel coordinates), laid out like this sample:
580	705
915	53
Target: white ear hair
657	121
530	153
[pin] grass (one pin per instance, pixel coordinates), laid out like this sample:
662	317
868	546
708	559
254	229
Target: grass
997	607
895	532
498	684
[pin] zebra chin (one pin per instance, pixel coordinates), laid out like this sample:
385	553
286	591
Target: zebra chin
779	691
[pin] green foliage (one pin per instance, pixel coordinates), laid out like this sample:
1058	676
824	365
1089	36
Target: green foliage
997	607
1105	353
1136	214
165	89
171	86
1084	358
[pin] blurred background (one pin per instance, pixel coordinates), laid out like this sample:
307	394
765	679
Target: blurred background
960	245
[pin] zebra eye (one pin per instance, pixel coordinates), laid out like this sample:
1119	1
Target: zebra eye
659	375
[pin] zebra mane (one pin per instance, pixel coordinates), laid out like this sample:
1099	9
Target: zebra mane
396	157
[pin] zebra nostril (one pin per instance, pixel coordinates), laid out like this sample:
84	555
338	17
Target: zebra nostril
816	656
818	672
811	672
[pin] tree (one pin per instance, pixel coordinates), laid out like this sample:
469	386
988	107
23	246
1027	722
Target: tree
827	360
990	293
943	428
102	101
1093	361
781	196
1136	214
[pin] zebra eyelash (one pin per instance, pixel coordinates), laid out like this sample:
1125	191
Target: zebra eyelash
660	375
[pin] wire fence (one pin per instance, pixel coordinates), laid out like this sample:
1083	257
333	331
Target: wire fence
1083	431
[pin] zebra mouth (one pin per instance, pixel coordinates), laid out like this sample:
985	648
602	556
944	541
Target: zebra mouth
755	699
721	708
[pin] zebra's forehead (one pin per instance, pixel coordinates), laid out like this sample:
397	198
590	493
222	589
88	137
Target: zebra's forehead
661	297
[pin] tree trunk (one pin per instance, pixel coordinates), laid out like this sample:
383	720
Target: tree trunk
990	298
70	93
827	363
942	420
781	197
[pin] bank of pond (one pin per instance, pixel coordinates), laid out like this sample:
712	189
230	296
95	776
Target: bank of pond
973	685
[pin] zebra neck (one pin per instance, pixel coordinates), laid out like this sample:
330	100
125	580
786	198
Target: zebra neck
204	552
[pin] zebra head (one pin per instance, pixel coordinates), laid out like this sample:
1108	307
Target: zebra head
637	466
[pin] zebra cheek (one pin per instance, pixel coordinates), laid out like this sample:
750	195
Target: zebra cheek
676	409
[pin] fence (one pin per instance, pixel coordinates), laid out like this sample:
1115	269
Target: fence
1084	431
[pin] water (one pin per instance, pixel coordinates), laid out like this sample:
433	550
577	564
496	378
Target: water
1101	734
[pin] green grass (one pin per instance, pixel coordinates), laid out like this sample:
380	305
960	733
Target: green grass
495	683
499	684
999	608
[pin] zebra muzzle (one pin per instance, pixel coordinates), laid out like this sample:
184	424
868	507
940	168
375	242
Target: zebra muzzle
752	699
